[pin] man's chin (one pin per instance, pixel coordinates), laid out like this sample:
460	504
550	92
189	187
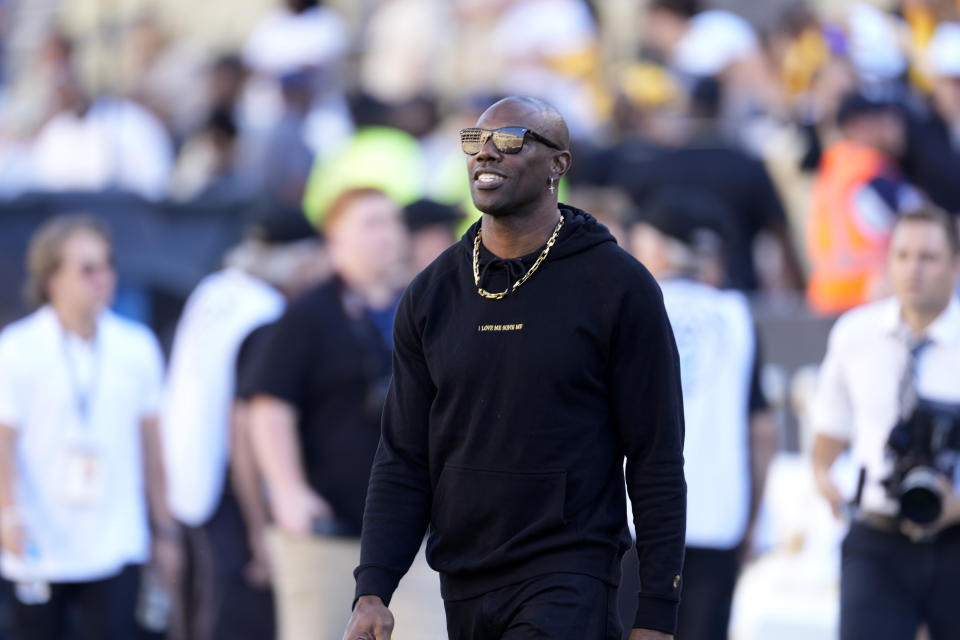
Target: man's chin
494	208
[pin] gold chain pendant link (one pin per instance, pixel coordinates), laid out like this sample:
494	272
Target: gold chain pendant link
536	265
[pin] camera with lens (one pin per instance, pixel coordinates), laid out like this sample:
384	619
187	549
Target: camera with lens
924	445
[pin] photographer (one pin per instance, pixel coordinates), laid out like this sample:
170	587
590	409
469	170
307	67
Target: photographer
883	361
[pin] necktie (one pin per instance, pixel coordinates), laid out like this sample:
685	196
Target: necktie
908	382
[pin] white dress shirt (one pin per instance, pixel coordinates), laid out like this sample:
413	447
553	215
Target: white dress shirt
858	392
64	395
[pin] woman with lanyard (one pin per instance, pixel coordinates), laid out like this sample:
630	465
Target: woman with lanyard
79	388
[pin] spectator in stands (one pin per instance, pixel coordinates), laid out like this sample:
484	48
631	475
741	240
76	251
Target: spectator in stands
79	453
214	489
699	42
402	42
705	159
207	164
858	195
932	158
280	163
317	392
731	434
123	145
882	359
298	36
557	59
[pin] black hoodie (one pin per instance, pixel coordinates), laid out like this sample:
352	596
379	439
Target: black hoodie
507	422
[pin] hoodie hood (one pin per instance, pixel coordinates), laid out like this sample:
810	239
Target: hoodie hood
580	232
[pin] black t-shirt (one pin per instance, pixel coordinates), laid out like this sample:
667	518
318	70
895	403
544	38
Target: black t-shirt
931	160
334	369
247	357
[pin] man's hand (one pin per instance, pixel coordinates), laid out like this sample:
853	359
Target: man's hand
257	571
371	620
826	450
167	558
647	634
295	508
949	514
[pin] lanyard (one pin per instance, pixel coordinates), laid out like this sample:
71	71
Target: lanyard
82	396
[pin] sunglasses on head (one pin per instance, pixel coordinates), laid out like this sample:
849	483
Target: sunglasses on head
505	139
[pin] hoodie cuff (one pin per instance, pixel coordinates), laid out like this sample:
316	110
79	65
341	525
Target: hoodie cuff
375	581
656	614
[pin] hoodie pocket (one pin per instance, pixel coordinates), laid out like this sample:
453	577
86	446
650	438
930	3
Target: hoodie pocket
486	519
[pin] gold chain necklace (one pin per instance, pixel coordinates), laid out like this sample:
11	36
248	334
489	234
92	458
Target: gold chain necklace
476	265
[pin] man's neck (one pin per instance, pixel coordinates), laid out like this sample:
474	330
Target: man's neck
83	325
918	320
517	235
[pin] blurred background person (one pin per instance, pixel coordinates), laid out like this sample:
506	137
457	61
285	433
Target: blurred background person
731	435
433	228
81	464
316	396
690	151
299	36
279	163
933	129
214	489
858	195
882	361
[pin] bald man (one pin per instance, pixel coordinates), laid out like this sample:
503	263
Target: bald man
530	359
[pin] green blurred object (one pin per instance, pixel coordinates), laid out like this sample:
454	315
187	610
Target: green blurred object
381	157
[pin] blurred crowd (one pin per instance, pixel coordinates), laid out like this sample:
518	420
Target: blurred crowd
289	102
808	125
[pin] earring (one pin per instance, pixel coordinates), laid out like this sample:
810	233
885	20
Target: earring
552	186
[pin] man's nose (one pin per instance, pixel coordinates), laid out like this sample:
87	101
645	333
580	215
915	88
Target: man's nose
489	151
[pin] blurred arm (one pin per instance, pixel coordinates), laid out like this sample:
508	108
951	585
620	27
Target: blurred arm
163	521
245	481
276	447
826	450
764	443
10	526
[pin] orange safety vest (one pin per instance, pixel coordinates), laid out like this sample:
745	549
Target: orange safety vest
846	259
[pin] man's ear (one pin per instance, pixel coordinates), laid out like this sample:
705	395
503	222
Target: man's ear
560	163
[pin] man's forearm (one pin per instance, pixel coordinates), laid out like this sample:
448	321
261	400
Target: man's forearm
826	450
764	443
244	477
155	477
8	443
276	443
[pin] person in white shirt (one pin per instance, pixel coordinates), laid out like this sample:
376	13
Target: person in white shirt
731	435
79	459
882	358
214	489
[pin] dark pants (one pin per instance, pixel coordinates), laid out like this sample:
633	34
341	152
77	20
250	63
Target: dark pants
83	610
889	585
556	606
709	578
215	601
